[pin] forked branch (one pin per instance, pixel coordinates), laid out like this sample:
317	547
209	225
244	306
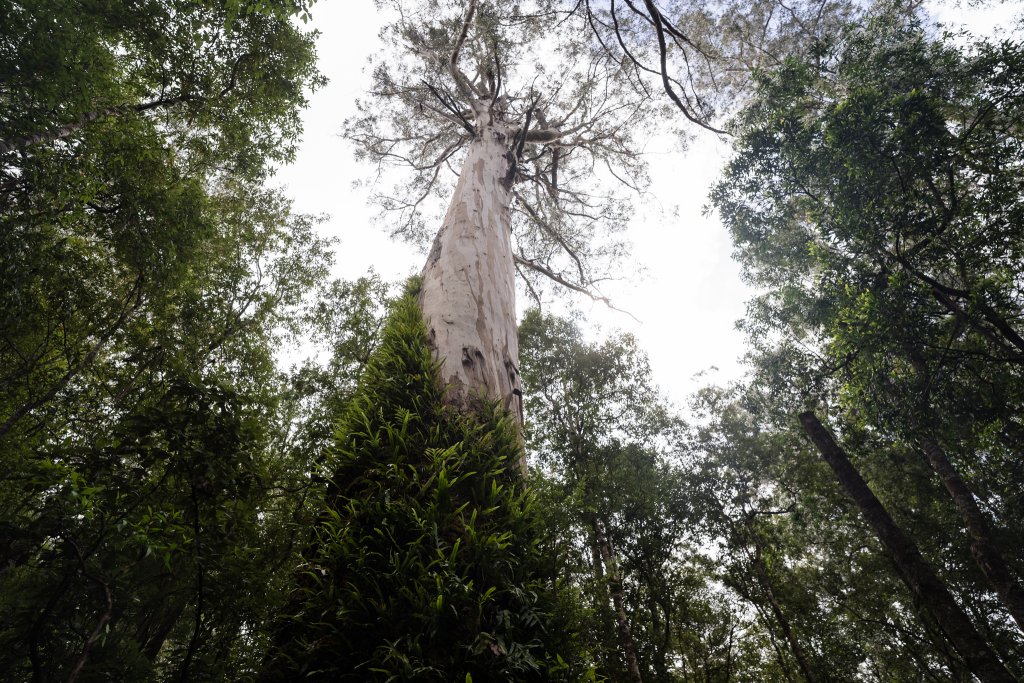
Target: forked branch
463	84
659	30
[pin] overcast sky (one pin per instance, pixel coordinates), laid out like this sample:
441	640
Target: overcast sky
689	296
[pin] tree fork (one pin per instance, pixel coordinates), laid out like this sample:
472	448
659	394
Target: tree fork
928	590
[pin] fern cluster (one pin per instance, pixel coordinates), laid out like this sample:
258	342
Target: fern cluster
429	562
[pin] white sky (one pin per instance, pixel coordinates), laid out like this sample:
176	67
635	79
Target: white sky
690	295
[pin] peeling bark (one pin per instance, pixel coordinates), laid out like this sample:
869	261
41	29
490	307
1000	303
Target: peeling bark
468	291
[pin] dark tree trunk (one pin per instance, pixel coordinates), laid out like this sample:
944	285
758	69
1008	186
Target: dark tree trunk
929	592
153	643
985	553
984	550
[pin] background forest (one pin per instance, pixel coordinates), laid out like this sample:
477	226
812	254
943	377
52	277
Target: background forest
181	501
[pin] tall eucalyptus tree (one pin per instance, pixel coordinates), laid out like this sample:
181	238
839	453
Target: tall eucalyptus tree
429	561
537	122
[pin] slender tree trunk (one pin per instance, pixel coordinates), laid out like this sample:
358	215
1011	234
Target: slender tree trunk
468	290
984	550
728	655
618	600
929	592
58	133
595	556
780	653
152	644
664	630
761	572
94	635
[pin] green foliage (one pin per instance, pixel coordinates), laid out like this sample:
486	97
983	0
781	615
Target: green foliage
428	561
223	80
154	460
875	196
135	139
791	551
161	478
167	516
128	527
602	438
718	532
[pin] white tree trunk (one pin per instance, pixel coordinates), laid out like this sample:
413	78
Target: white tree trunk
468	291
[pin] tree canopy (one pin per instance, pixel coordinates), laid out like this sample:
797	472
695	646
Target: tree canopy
573	120
218	462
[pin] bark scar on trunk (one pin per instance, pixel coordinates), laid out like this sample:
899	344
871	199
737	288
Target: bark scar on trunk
435	249
470	357
514	400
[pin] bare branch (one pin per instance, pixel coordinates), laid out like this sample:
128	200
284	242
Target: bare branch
543	135
543	224
663	50
449	104
104	619
529	286
550	274
553	187
463	84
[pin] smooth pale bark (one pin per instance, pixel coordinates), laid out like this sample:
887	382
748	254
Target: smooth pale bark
986	555
468	291
611	570
929	592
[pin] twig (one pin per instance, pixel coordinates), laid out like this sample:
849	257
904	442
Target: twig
544	270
